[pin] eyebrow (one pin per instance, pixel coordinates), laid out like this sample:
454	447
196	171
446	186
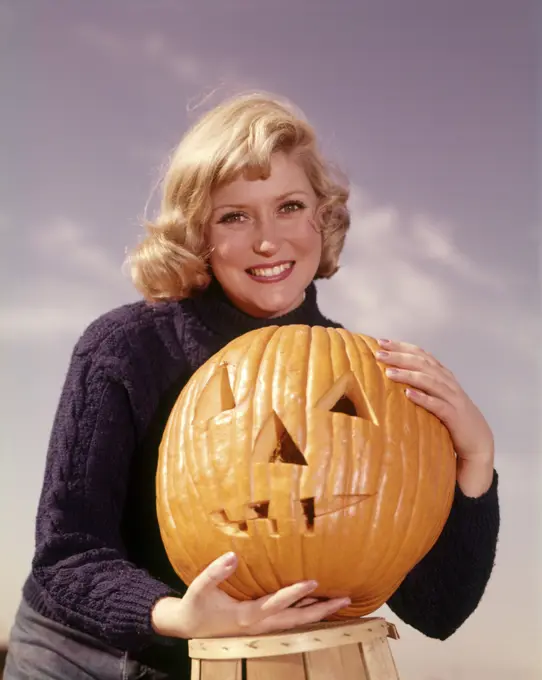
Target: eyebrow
238	206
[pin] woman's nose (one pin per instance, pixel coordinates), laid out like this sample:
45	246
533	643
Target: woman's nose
267	237
266	247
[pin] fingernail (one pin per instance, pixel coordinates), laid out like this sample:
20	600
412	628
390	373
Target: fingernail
312	584
345	602
383	341
382	354
228	559
392	371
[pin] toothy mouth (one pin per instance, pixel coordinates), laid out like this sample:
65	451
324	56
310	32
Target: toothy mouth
269	272
259	512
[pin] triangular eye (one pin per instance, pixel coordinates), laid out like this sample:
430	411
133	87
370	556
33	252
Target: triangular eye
274	444
346	406
347	396
216	397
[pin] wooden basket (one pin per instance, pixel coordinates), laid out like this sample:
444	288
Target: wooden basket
351	650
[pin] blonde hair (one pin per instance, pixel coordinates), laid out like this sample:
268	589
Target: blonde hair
239	136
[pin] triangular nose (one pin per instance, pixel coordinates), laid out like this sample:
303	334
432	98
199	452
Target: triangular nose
274	444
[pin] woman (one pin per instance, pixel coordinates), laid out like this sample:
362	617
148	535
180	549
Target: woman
250	217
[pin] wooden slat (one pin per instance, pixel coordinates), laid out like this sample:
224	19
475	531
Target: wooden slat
378	659
353	666
340	662
289	667
328	635
222	669
353	650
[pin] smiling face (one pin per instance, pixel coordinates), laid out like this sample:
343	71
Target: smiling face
265	245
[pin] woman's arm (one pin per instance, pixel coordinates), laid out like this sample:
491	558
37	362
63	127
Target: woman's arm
80	572
446	586
475	477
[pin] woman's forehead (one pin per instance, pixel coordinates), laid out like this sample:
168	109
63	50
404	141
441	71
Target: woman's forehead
286	177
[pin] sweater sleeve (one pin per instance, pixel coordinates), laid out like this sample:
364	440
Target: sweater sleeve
80	566
446	586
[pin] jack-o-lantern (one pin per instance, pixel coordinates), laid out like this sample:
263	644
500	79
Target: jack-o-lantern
292	448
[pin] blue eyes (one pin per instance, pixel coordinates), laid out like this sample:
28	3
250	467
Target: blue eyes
285	208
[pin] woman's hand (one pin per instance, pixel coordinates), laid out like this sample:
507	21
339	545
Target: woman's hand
206	611
437	390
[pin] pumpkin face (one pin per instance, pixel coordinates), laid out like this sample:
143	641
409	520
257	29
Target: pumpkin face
292	448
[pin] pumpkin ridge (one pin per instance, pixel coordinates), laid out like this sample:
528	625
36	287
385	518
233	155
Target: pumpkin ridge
168	479
371	367
184	417
353	345
319	346
415	518
305	569
336	353
367	367
170	484
420	435
264	404
413	515
290	381
393	554
436	464
166	519
425	443
253	362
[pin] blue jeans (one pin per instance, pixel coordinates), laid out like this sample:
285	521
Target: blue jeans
41	649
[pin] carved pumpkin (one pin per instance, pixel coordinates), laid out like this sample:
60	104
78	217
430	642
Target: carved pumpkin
291	447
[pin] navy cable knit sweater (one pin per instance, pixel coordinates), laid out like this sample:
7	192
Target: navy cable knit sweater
99	563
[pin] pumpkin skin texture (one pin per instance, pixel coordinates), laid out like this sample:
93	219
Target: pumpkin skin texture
292	448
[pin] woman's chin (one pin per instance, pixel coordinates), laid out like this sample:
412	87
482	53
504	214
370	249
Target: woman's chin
277	304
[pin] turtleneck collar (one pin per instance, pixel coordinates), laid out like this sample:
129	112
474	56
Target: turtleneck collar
220	315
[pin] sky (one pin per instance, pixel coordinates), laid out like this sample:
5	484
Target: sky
431	109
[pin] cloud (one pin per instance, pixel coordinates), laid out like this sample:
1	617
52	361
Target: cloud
404	276
73	280
152	49
42	322
434	240
105	41
67	243
157	50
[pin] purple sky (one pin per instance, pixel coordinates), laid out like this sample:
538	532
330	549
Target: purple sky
429	106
